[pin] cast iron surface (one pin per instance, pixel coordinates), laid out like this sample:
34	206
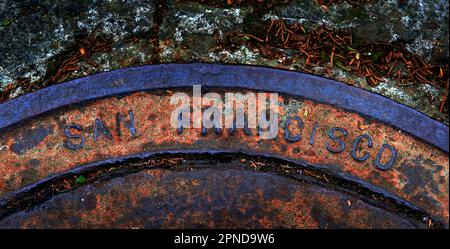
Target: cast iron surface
215	75
202	189
38	165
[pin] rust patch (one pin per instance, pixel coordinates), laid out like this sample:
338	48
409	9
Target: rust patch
419	174
205	198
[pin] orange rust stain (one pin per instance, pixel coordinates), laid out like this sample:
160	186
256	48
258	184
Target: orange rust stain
292	213
152	113
119	204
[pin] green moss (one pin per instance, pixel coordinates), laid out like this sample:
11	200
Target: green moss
7	22
80	180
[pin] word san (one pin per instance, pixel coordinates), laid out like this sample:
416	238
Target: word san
75	133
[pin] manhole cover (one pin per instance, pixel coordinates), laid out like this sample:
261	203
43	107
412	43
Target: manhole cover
101	151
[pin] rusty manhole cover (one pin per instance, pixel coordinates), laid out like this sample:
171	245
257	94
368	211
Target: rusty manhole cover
101	152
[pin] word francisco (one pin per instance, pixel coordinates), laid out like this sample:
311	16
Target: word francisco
335	134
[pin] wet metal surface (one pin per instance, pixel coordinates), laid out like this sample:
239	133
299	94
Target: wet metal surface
359	148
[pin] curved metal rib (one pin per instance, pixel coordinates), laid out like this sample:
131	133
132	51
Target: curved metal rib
257	78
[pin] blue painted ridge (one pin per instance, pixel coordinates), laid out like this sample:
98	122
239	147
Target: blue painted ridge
152	77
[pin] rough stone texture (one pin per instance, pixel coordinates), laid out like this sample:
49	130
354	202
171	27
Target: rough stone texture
420	25
38	31
33	34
